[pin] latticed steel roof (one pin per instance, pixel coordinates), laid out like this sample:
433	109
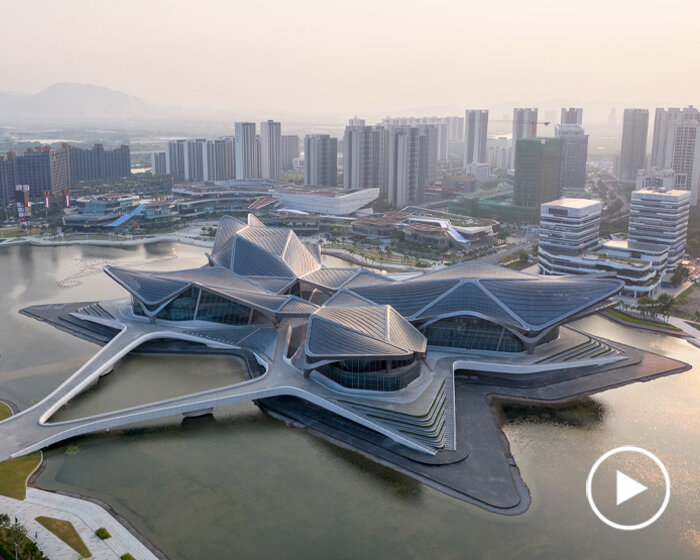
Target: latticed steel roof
366	331
524	301
155	288
254	264
254	249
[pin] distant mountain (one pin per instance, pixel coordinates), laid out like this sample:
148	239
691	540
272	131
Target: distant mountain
68	100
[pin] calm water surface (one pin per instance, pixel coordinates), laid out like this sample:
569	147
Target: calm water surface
242	485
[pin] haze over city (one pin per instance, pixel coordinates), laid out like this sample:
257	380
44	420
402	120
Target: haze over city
370	279
392	57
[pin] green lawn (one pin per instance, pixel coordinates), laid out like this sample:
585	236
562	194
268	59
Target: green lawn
694	325
5	411
630	319
65	531
10	232
14	473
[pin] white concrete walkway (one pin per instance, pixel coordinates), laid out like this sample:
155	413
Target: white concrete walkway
85	516
685	327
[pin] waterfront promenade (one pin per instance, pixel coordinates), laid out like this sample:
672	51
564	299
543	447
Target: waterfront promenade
85	516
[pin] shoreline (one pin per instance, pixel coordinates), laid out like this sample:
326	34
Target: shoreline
32	482
38	241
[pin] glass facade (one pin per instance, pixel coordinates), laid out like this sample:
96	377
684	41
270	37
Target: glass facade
212	307
471	333
182	307
221	310
373	375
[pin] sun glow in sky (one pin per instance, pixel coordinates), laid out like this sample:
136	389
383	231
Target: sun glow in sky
358	56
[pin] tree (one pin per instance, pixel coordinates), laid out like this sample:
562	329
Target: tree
680	276
522	256
17	534
665	304
4	520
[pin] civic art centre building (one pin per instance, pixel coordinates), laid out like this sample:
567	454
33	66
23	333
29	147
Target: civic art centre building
378	351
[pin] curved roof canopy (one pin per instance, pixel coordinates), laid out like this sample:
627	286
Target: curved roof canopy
525	302
370	331
156	289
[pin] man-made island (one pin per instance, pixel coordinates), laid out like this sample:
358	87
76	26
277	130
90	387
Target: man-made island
401	371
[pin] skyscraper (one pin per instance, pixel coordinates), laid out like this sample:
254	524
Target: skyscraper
321	160
572	115
524	126
573	159
476	123
634	144
290	150
412	162
365	156
537	170
246	151
271	150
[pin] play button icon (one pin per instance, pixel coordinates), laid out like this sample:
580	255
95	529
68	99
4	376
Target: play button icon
627	488
624	488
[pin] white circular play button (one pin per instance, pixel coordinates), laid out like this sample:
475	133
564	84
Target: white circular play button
628	488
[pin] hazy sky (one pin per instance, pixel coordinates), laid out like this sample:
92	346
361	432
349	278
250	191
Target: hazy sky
358	56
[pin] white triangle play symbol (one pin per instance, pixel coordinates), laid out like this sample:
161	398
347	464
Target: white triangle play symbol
627	488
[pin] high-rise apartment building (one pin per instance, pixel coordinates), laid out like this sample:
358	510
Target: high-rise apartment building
476	124
158	167
633	152
537	170
247	166
412	162
571	115
456	129
676	145
175	159
219	160
56	169
194	159
661	218
44	169
498	153
365	156
271	150
321	160
443	130
662	119
98	163
656	179
524	126
290	151
573	159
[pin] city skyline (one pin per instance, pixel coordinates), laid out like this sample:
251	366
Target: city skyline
155	54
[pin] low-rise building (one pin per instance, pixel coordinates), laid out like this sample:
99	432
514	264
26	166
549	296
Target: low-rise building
570	244
100	210
231	195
